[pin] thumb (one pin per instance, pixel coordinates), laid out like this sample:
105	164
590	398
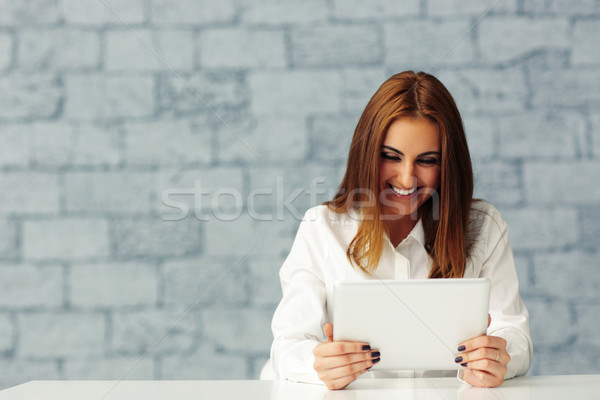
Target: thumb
328	329
489	320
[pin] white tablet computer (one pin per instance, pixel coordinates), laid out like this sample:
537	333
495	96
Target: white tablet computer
415	324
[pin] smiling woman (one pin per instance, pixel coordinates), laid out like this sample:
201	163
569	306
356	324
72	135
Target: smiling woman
404	210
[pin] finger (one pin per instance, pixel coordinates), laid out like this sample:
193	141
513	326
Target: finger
481	378
491	367
345	370
495	342
342	382
331	362
327	349
483	353
328	330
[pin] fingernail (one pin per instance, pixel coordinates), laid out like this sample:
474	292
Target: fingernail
461	348
463	364
458	359
366	347
368	368
376	360
375	354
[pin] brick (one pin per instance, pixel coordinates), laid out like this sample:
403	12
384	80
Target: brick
523	267
109	192
541	229
446	8
493	91
146	50
257	365
219	91
65	239
269	138
440	43
540	135
101	97
27	286
7	331
157	332
35	12
331	136
560	332
242	48
585	42
565	88
206	280
50	144
587	322
8	239
497	182
571	275
222	327
72	335
6	48
192	12
14	145
265	286
29	96
195	366
169	142
117	368
16	372
481	136
95	145
153	237
558	7
589	218
247	237
30	193
195	193
561	183
358	86
114	12
272	92
379	9
328	46
113	285
282	12
291	190
58	49
503	39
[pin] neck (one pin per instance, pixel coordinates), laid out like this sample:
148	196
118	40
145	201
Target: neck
400	228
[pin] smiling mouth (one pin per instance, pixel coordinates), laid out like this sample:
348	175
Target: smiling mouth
402	192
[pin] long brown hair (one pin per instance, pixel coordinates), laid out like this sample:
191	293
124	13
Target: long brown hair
414	95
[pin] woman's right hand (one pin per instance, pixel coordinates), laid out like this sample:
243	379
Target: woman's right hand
340	363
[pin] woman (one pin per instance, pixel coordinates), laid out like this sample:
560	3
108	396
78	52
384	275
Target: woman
404	210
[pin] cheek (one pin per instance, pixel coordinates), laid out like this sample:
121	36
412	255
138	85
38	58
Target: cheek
432	178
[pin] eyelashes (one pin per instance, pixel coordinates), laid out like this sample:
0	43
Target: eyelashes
423	161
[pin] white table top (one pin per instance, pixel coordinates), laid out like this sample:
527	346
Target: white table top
578	387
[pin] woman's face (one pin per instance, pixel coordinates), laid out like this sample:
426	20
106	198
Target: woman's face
410	165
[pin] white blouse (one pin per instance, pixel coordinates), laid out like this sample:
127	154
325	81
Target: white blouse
318	258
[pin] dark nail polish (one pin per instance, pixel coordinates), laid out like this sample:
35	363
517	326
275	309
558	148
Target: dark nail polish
376	360
375	354
366	347
461	348
463	364
368	368
458	359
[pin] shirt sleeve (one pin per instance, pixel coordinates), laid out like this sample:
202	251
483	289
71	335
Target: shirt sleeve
510	319
299	317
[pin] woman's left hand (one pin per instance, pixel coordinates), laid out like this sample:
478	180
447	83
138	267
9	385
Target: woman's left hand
485	358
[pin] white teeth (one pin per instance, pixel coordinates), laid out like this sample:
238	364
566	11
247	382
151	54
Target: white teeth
403	192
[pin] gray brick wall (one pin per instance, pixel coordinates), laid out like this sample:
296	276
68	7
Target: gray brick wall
155	156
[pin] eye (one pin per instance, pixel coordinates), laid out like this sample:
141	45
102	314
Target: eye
428	161
390	156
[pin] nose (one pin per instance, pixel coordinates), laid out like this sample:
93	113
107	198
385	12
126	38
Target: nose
406	175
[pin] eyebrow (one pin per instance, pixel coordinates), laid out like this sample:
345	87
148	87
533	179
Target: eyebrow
420	155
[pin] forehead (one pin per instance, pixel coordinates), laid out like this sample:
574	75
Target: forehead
413	133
